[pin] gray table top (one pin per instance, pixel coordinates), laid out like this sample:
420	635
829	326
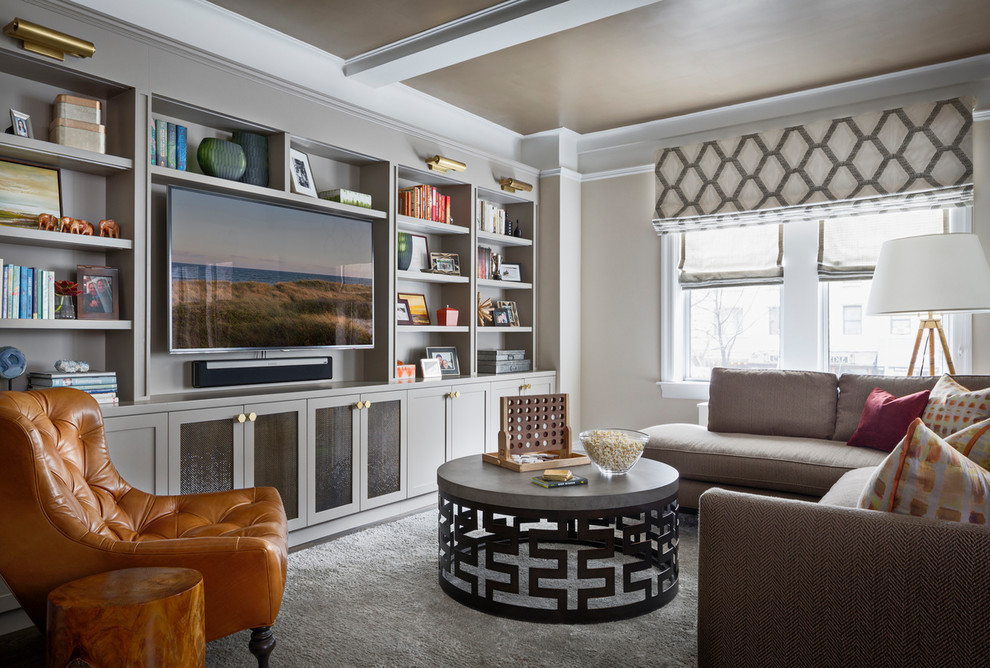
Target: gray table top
471	479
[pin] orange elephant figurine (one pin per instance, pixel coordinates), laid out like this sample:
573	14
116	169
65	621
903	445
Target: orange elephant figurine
109	228
48	222
65	222
81	227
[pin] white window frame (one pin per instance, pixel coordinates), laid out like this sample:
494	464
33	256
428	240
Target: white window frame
808	352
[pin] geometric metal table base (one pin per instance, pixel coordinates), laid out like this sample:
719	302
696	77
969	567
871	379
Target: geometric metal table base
559	566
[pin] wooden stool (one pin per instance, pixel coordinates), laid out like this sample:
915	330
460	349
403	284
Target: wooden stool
130	617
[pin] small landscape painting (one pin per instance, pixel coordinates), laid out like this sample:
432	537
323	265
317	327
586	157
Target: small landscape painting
26	191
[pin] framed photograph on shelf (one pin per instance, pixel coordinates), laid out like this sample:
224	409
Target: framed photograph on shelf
446	356
26	191
100	296
500	317
513	312
445	263
402	314
22	124
509	271
420	259
417	307
430	368
302	173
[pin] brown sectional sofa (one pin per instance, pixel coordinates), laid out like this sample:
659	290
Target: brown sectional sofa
787	582
777	433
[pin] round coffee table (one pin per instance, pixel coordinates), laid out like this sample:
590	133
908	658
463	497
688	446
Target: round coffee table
597	552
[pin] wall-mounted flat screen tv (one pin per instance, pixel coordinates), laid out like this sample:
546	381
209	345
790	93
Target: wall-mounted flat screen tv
252	275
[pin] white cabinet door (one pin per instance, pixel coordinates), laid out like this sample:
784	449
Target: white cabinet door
138	447
426	434
469	410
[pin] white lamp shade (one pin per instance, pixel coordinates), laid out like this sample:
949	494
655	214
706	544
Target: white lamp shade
932	272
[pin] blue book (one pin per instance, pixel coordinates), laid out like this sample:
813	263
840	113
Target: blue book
161	134
180	147
171	146
23	305
153	145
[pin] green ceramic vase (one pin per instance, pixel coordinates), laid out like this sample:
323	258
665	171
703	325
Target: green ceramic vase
221	158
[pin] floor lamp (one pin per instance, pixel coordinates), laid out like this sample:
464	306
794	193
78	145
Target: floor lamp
932	273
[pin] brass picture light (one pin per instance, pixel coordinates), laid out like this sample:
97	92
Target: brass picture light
48	42
438	163
512	185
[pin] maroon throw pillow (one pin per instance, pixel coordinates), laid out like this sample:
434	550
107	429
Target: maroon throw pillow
886	419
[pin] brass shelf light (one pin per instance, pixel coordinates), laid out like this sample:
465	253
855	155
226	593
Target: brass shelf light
48	42
438	163
512	185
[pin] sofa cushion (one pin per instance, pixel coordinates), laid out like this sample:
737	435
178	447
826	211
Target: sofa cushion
974	442
953	406
855	388
886	419
926	477
848	490
772	402
797	465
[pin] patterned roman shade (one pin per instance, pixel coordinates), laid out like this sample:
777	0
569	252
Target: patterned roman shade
912	157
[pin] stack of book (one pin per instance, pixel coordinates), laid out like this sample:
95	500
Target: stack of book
491	218
101	384
424	202
168	144
502	361
27	292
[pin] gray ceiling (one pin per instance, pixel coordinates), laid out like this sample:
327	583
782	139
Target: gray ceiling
660	60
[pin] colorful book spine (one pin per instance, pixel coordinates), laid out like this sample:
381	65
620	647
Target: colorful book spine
170	162
180	147
105	382
153	145
161	132
3	289
24	310
576	480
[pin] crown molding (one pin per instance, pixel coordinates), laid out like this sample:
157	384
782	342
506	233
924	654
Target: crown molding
982	115
618	173
562	172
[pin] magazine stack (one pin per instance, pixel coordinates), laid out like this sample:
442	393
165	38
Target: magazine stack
101	384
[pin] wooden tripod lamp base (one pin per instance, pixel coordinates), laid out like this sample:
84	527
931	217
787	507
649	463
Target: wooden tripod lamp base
931	324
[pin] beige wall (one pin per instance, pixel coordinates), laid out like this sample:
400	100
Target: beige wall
620	321
981	225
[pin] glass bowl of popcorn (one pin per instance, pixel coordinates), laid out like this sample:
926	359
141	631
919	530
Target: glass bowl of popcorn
614	451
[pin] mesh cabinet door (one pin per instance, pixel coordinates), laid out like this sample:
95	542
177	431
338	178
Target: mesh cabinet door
275	449
206	451
333	458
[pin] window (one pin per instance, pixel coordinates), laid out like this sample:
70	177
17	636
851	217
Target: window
812	317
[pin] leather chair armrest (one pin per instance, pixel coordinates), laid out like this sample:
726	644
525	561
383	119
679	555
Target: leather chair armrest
784	582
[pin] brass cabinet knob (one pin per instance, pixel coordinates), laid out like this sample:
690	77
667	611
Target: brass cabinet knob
367	404
359	405
242	418
252	417
457	393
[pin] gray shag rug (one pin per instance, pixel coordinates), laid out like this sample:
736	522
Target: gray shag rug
371	598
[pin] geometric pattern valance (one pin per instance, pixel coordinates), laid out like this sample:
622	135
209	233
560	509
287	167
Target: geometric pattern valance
918	156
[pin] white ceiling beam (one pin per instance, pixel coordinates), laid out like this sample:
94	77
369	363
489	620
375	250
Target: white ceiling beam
487	31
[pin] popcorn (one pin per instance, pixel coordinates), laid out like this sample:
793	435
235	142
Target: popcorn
613	450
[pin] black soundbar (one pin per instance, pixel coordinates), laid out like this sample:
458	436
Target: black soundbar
216	373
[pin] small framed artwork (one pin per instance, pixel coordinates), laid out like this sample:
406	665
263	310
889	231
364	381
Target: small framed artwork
500	317
21	123
28	190
302	174
420	260
430	368
402	314
446	357
509	271
100	298
445	263
513	312
417	307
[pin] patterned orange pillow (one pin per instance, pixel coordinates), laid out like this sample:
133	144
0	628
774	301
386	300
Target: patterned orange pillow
926	477
974	442
952	407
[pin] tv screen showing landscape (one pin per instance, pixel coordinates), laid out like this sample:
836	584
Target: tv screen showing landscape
248	275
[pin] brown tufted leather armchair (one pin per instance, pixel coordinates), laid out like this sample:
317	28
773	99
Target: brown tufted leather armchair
65	513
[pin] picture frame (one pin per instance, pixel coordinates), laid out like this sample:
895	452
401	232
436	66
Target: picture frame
510	271
445	263
420	260
302	173
21	123
500	317
513	312
417	307
100	296
403	316
430	368
27	190
446	357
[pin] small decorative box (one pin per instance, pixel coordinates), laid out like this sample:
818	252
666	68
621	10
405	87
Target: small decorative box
405	371
347	197
77	108
79	134
447	317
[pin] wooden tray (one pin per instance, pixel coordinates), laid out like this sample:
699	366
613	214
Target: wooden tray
558	463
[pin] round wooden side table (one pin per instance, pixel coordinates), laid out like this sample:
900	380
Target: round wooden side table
128	617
